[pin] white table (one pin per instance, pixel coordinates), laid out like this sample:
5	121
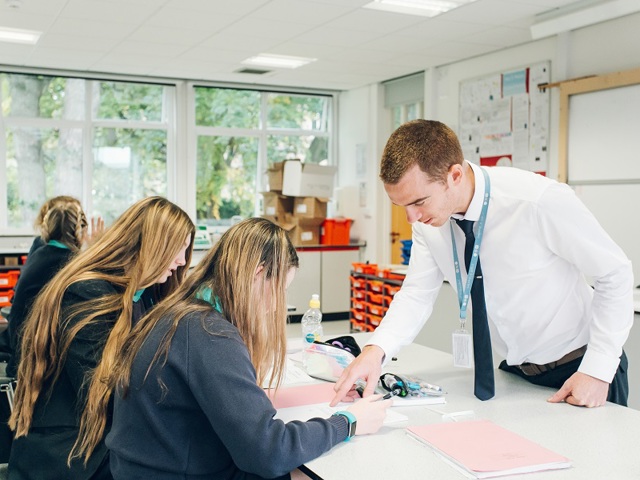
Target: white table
602	443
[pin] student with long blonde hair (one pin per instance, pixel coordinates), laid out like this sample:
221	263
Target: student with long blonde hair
190	402
62	230
72	339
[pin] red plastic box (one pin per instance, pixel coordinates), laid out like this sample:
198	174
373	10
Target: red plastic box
335	231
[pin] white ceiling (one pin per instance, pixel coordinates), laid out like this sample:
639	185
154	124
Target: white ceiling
207	39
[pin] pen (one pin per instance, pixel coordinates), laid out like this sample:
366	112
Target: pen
360	385
392	393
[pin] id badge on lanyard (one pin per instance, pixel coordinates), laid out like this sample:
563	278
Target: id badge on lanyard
462	341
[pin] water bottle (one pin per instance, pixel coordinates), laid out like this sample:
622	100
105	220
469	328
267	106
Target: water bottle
311	326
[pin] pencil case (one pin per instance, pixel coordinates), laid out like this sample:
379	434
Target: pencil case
326	361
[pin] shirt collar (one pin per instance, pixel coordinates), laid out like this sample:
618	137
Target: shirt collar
137	295
55	243
475	207
206	294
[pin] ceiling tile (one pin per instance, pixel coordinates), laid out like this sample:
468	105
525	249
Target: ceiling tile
25	21
441	29
500	36
305	12
233	41
223	7
185	19
338	36
91	28
168	35
301	49
107	11
56	41
207	55
74	59
268	29
148	48
375	21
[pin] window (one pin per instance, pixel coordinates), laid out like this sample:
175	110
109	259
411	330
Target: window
239	133
404	97
110	142
104	142
404	113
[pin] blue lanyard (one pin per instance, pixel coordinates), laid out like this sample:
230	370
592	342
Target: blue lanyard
463	296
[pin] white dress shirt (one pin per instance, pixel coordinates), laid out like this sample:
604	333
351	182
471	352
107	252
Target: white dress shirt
540	242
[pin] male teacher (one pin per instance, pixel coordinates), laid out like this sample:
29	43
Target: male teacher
529	246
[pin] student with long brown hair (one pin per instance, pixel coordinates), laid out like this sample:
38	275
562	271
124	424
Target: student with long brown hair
62	230
73	336
190	402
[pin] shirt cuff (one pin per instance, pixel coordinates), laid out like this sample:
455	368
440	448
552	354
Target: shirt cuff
342	426
599	365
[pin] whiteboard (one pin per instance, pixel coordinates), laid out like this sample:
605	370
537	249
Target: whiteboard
614	207
604	136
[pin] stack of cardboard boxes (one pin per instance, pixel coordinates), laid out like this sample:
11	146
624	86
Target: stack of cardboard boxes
297	198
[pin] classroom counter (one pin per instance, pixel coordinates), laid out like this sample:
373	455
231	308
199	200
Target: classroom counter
600	442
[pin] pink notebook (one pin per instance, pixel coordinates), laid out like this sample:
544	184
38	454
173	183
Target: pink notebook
486	450
302	395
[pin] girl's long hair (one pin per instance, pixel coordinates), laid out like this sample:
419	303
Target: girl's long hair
254	302
130	255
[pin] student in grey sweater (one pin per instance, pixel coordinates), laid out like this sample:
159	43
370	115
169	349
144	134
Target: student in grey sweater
190	403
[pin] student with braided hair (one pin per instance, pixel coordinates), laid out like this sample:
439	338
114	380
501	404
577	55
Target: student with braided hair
62	230
97	224
74	334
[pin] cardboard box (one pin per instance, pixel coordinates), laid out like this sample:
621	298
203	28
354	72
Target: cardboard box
276	205
310	207
302	231
10	260
274	177
307	179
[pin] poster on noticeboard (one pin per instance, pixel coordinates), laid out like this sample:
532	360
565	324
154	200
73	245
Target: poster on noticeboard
504	119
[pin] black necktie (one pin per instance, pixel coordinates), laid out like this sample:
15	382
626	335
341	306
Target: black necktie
484	387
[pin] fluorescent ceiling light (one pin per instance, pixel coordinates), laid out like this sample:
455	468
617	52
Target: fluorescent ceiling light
425	8
16	35
564	20
277	61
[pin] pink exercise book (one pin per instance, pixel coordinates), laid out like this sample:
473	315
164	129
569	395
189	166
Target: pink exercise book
486	450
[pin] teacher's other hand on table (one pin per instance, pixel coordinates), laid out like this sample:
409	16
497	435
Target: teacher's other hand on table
582	390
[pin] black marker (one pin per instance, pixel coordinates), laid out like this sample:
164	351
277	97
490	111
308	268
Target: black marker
360	385
392	393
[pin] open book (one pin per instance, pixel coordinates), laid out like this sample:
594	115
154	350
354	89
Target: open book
484	450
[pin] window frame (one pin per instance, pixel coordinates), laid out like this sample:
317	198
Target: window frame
262	132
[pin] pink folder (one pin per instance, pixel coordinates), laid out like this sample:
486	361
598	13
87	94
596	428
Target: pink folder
487	450
302	395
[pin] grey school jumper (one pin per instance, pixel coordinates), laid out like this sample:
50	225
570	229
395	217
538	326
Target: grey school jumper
212	421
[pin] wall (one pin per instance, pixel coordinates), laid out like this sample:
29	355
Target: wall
359	122
579	53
